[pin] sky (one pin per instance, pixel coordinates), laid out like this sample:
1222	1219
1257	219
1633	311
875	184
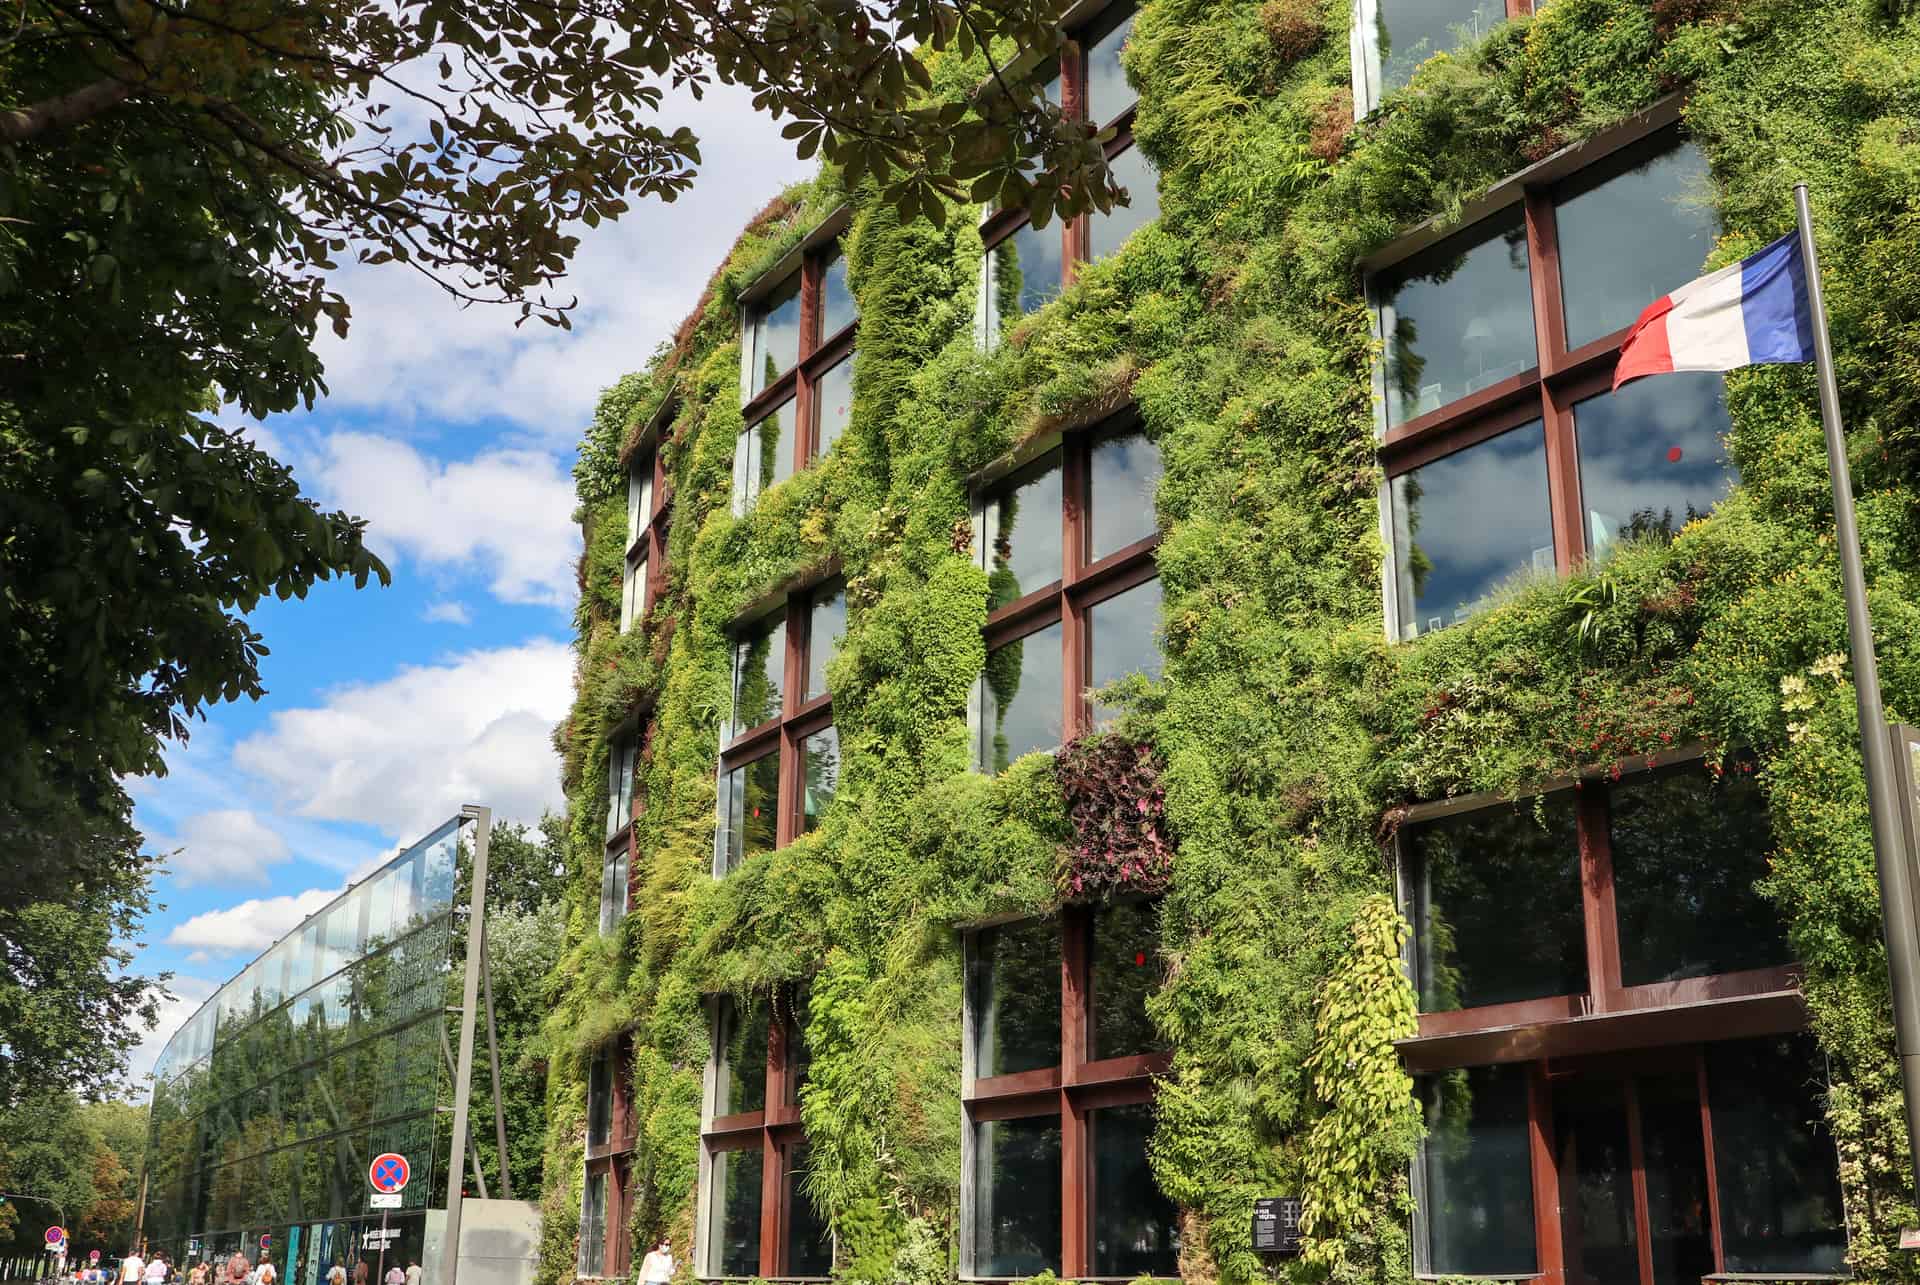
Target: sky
454	434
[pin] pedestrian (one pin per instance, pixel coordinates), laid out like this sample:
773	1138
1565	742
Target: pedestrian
360	1272
132	1267
336	1275
413	1271
657	1267
396	1275
265	1274
237	1269
156	1270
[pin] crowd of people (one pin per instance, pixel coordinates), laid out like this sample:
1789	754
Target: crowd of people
238	1269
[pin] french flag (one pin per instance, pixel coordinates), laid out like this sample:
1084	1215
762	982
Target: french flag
1746	314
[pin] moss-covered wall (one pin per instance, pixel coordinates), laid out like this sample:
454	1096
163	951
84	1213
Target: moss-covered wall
1285	728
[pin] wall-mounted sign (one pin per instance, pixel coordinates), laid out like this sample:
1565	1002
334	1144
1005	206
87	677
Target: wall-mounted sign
379	1237
384	1200
1276	1225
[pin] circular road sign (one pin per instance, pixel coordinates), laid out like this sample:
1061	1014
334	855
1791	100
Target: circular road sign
56	1235
266	1241
93	1255
388	1173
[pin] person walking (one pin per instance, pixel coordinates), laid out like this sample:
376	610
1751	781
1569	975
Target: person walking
132	1267
265	1274
413	1271
657	1267
396	1275
156	1270
336	1275
237	1269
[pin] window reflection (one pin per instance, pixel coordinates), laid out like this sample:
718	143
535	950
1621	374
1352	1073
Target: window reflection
753	793
1023	528
1125	967
1125	631
639	497
1412	31
1015	998
1107	92
736	1213
821	755
1016	1197
1465	523
837	306
1027	271
809	1242
1022	698
1653	457
759	671
1108	232
1136	1229
1126	472
600	1101
826	624
834	397
1476	1205
743	1062
1774	1159
1458	319
1627	238
776	336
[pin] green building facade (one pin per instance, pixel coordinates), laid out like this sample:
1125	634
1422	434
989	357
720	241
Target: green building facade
1083	728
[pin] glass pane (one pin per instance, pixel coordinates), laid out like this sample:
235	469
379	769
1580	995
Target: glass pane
1497	911
837	306
1126	472
746	469
1125	639
774	453
1108	93
1126	968
1412	31
821	754
736	1210
1021	698
1108	232
1466	523
1476	1211
1016	1197
1774	1160
600	1101
1597	1227
630	593
379	895
834	397
809	1242
1653	456
826	624
759	672
1458	320
1136	1229
1686	855
1016	998
407	893
1679	1218
1024	532
753	793
776	335
639	497
744	1071
439	877
1028	270
1628	238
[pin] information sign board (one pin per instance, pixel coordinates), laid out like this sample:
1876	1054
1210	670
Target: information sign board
1276	1225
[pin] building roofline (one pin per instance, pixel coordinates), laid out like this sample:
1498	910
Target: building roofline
789	263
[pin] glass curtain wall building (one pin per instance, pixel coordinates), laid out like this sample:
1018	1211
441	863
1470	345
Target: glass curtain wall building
328	1050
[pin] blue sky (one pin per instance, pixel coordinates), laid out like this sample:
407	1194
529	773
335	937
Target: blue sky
453	433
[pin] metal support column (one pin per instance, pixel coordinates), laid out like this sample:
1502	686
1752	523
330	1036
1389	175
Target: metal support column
493	1059
469	1011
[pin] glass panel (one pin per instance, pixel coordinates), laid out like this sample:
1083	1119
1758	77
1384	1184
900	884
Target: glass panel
1686	855
639	497
1597	1227
1126	968
1028	271
1126	472
809	1243
1412	31
821	755
736	1212
1125	633
1458	319
593	1226
1628	238
1774	1160
1024	532
837	306
1016	998
1497	911
613	889
1016	1197
746	469
380	908
773	453
407	892
1108	232
1476	1209
632	591
1108	93
620	762
753	793
1021	698
743	1085
1136	1229
759	673
439	872
833	395
1679	1218
600	1101
776	336
1653	456
827	622
1464	524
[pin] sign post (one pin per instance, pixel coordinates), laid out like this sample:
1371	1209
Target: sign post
388	1175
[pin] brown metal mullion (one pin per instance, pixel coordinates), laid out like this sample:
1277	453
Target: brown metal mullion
1076	1011
1548	1245
772	1179
1073	78
1597	904
1075	492
1636	1149
787	805
770	1229
1713	1170
1550	333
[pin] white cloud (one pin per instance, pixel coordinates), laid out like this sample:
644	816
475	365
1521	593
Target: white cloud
250	927
404	753
228	845
507	512
188	994
447	613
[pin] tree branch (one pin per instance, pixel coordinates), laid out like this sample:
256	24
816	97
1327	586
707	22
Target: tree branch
24	124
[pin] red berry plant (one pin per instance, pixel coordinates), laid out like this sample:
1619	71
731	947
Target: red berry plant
1119	811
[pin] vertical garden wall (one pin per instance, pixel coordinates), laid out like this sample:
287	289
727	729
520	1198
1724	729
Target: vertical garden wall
1268	764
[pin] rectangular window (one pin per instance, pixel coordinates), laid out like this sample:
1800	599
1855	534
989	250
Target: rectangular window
763	456
821	753
833	405
752	1121
1107	93
633	591
735	1235
1125	968
1016	1197
1024	525
1025	270
1475	1174
613	887
752	796
1136	1229
1124	634
1780	1203
838	309
593	1226
1458	319
1106	233
1653	457
775	336
799	344
621	756
1021	698
742	1086
600	1101
1125	473
809	1242
1016	998
639	498
1411	31
759	674
826	623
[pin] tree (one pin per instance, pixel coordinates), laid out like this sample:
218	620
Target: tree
119	1130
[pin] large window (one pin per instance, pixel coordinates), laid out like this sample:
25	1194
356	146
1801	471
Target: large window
1067	543
646	532
798	356
1393	37
780	763
611	1131
1060	1058
1506	455
759	1220
623	766
1026	267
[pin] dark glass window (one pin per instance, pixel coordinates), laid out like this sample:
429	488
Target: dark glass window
826	623
772	452
1774	1161
776	335
809	1242
744	1059
759	673
1652	456
1016	999
1136	1229
1108	232
1027	270
1023	523
613	888
600	1101
1125	968
1108	93
1497	907
1595	1161
593	1226
1465	523
1674	1158
1458	319
834	397
1628	237
1023	698
639	497
753	793
837	307
1016	1197
1125	474
1125	630
821	753
1476	1201
736	1212
1412	31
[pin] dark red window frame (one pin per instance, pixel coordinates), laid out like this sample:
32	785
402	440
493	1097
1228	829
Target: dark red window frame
650	544
819	354
615	1160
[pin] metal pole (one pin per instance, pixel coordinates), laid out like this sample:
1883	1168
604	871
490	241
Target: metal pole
493	1061
1876	741
470	1004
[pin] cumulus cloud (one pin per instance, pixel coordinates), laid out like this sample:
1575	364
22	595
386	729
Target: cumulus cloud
228	845
249	927
447	613
188	994
404	753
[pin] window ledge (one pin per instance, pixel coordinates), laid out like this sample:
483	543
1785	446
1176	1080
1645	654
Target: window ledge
1778	1276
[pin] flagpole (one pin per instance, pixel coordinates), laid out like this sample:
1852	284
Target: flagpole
1876	741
